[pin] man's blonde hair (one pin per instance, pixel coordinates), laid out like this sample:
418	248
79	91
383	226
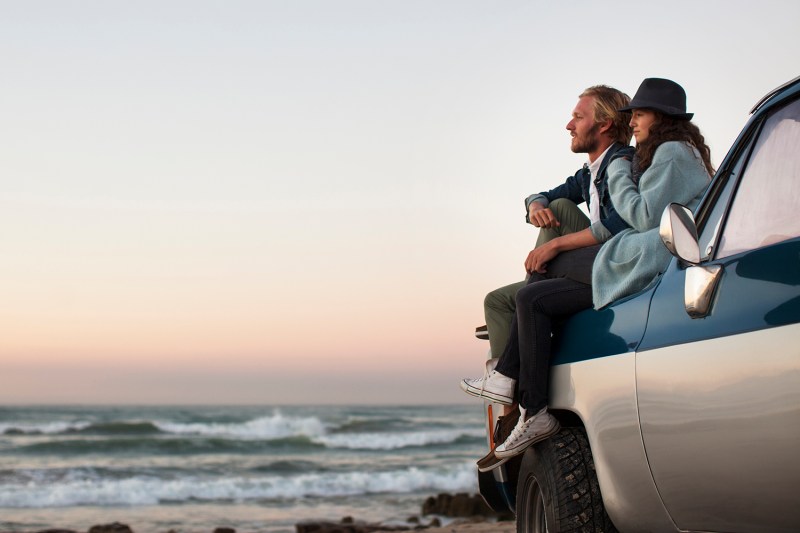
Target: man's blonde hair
607	101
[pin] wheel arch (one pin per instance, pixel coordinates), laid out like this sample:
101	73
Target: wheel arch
598	396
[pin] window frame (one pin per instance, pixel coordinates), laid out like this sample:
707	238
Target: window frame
721	189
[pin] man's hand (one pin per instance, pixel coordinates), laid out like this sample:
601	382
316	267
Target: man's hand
541	216
539	257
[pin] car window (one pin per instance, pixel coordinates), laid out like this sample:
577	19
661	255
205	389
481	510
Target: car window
765	208
710	215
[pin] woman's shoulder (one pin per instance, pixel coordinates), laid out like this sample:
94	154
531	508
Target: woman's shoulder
674	150
681	157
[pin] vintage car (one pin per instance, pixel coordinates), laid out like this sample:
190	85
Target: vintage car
680	405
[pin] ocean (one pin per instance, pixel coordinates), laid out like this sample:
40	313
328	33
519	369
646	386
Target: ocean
262	469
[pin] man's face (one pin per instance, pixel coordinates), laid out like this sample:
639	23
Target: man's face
583	129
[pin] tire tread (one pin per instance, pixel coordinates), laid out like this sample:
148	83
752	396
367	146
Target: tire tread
579	492
564	465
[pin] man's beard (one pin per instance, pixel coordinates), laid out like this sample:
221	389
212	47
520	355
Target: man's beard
587	143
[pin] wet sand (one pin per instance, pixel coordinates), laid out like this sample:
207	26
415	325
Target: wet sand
481	527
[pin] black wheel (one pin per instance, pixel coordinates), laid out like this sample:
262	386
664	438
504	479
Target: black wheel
557	490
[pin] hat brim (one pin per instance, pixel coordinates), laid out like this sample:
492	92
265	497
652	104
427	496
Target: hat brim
656	107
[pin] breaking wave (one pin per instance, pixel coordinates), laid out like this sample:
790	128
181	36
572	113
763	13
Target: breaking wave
87	488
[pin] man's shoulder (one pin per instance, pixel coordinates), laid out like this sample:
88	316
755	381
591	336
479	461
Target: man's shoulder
618	150
615	151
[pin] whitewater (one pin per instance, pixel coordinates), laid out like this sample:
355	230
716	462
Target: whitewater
250	468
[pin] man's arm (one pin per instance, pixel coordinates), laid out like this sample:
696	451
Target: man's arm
571	190
539	257
541	216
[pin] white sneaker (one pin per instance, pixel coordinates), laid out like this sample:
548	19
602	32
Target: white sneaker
537	428
494	387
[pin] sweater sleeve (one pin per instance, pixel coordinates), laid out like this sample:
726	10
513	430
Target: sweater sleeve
670	176
600	232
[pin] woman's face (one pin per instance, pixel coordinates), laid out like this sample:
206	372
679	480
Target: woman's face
641	121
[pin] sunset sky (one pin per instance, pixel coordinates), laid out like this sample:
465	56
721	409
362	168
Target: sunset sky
305	201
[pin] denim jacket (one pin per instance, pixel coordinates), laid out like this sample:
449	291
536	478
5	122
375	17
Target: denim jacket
576	189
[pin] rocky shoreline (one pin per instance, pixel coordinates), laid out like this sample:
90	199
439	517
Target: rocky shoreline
456	509
452	513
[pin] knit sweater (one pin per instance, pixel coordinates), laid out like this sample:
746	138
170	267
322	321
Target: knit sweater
633	258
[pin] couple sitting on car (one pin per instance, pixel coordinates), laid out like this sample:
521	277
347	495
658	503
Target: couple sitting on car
580	262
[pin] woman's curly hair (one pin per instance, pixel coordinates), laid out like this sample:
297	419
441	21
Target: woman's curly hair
666	128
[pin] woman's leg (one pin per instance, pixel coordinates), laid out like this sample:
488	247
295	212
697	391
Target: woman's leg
538	305
515	365
508	365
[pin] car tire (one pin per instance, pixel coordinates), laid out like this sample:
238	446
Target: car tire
557	489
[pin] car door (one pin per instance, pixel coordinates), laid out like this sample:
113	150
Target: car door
718	390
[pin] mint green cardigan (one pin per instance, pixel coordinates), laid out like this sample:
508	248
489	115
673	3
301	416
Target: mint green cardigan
635	257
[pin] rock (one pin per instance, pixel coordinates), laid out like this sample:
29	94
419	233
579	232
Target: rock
57	531
465	507
460	505
114	527
224	530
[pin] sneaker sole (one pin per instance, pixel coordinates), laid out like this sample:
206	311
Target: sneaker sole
516	450
472	391
494	465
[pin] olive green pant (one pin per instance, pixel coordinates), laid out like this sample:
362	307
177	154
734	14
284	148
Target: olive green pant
500	305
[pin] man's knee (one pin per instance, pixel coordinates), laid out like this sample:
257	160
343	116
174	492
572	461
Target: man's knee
496	299
502	298
562	206
569	215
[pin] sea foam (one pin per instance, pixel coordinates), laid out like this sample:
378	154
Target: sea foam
272	427
391	441
143	490
44	428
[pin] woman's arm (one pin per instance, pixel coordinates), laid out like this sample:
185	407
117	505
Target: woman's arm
675	175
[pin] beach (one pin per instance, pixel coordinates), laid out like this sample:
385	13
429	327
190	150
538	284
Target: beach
483	527
479	527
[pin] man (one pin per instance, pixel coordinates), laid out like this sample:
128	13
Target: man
603	133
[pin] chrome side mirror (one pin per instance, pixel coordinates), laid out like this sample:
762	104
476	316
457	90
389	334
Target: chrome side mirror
679	233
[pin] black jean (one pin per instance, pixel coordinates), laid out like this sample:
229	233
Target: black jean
548	298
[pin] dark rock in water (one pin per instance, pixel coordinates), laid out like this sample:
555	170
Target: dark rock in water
457	505
114	527
224	530
465	507
460	505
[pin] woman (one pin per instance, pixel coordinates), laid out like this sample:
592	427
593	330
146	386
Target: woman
672	163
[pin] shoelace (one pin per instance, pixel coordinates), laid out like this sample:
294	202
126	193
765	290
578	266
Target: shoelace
518	430
486	375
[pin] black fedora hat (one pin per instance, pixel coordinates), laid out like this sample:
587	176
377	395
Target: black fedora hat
661	95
